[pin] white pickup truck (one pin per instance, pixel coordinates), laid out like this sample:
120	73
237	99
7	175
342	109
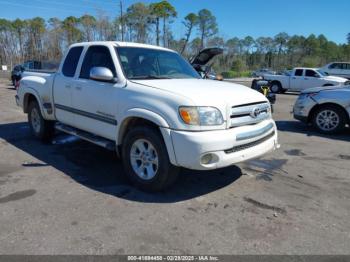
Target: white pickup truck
151	106
303	78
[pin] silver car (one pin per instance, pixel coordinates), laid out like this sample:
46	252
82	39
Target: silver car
326	108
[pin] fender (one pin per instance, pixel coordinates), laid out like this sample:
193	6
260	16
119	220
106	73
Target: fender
31	91
156	119
146	114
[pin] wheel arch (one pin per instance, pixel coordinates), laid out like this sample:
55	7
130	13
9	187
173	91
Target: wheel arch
276	82
28	97
318	106
142	117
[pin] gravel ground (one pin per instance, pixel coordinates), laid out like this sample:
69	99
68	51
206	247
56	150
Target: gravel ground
70	197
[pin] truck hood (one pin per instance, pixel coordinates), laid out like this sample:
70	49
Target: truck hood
207	92
335	79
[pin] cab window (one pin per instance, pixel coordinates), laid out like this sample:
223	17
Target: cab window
311	73
298	72
335	66
97	56
71	61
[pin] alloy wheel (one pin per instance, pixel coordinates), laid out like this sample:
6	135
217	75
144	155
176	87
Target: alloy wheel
144	159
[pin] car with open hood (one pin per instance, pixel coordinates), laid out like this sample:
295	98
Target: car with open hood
200	63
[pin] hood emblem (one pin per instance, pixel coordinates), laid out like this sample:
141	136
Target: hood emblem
255	112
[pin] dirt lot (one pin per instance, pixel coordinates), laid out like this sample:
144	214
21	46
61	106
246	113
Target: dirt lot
70	197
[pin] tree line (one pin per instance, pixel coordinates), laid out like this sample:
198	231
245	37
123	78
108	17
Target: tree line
40	39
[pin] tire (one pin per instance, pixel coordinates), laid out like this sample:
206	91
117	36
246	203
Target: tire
336	119
40	128
159	173
13	81
276	87
253	86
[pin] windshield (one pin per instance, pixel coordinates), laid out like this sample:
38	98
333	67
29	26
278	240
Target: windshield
146	63
322	73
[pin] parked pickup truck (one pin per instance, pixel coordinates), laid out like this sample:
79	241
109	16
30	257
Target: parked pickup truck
151	106
303	78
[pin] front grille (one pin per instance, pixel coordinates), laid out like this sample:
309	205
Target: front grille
249	145
244	114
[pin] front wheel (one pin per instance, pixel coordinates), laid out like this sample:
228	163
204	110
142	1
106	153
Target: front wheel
40	127
329	119
146	161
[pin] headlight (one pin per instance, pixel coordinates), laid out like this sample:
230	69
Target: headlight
201	116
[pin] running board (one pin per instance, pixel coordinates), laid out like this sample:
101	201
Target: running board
100	141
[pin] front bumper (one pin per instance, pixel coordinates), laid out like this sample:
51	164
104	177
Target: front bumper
302	108
226	147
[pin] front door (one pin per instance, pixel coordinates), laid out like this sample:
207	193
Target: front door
94	101
311	79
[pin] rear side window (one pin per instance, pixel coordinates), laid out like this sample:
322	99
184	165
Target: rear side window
299	72
335	66
71	61
94	57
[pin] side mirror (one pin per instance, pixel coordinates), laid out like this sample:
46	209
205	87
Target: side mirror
101	74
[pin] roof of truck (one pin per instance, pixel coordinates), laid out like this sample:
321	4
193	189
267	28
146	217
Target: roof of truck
117	43
306	68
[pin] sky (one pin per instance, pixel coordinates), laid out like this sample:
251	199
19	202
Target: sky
235	18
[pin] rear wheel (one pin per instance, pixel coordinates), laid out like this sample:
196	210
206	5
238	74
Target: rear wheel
41	128
276	87
329	119
146	161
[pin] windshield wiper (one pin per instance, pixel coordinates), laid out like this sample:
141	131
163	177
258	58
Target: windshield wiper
148	77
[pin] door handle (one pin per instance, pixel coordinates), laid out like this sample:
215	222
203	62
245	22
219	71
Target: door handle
294	78
78	87
306	78
67	86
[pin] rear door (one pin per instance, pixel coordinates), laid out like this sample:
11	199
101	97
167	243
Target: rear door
62	89
296	80
345	70
95	102
335	69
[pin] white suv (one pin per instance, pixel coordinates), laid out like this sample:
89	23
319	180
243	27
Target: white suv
338	69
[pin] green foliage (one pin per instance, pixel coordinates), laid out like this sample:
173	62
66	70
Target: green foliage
162	10
238	65
137	19
150	23
234	74
207	25
191	20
